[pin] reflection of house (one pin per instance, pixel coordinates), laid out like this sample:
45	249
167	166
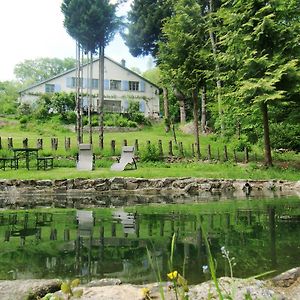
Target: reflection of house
121	86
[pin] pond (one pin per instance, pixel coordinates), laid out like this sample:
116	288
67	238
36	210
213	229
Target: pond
107	238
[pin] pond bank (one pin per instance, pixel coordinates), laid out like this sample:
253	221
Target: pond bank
235	188
284	286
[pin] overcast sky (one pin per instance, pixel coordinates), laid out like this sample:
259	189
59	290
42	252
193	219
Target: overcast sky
31	29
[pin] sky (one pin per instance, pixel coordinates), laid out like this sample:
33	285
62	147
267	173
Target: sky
31	29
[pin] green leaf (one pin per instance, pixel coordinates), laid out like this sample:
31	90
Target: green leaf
65	288
78	293
75	282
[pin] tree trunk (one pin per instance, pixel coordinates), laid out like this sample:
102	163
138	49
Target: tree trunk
203	109
181	99
101	97
90	82
268	155
217	68
78	102
166	109
81	96
196	122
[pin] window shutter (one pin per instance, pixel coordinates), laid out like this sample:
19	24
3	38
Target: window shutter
57	88
95	83
124	85
85	102
125	105
142	106
142	86
84	83
69	82
106	84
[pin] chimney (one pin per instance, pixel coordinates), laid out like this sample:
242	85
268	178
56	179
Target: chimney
123	63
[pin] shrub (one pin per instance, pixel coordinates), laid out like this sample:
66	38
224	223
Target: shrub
242	143
285	136
151	153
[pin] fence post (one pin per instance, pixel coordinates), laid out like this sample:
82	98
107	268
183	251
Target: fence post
67	143
25	142
208	152
160	149
193	150
246	160
181	149
125	143
136	145
170	148
54	143
10	143
113	147
225	153
235	156
39	143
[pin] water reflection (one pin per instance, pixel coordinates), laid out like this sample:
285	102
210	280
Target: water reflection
112	241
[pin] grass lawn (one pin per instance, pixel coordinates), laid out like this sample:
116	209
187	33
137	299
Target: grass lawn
287	165
161	170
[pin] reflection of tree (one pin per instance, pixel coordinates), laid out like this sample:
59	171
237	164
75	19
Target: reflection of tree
248	233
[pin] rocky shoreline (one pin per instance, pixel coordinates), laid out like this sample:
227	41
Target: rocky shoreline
15	190
285	286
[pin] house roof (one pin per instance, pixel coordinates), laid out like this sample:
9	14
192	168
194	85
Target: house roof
73	69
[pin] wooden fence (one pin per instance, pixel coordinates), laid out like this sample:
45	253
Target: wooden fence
168	151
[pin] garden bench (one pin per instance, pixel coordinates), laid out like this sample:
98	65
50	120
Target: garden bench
12	162
45	162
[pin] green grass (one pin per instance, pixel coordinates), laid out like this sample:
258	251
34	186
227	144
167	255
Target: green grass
147	170
287	165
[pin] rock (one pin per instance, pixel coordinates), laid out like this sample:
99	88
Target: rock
288	278
25	289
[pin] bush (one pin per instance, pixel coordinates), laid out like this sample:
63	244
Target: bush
241	144
151	153
286	136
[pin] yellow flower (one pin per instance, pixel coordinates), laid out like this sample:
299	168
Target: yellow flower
146	293
173	275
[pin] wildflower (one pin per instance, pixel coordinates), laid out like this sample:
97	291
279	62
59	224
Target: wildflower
146	293
205	269
173	275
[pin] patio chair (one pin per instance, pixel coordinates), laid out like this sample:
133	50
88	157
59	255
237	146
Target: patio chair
85	157
127	157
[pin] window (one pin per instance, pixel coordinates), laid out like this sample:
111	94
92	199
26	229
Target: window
50	88
115	85
133	85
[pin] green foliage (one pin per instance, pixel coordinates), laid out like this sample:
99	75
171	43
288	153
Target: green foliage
37	70
8	97
90	22
69	289
145	23
24	109
285	136
151	153
241	143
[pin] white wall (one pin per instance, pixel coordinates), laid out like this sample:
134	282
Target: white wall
148	96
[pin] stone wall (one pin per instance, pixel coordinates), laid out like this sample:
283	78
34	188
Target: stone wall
185	186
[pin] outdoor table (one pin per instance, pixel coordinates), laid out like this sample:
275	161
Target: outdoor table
25	152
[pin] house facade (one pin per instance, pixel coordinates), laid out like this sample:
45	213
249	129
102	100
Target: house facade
121	86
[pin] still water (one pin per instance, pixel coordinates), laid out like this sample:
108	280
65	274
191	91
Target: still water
110	239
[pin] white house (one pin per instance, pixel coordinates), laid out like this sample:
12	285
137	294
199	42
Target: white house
121	86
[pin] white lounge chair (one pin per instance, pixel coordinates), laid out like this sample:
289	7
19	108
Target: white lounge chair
127	157
85	221
85	157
